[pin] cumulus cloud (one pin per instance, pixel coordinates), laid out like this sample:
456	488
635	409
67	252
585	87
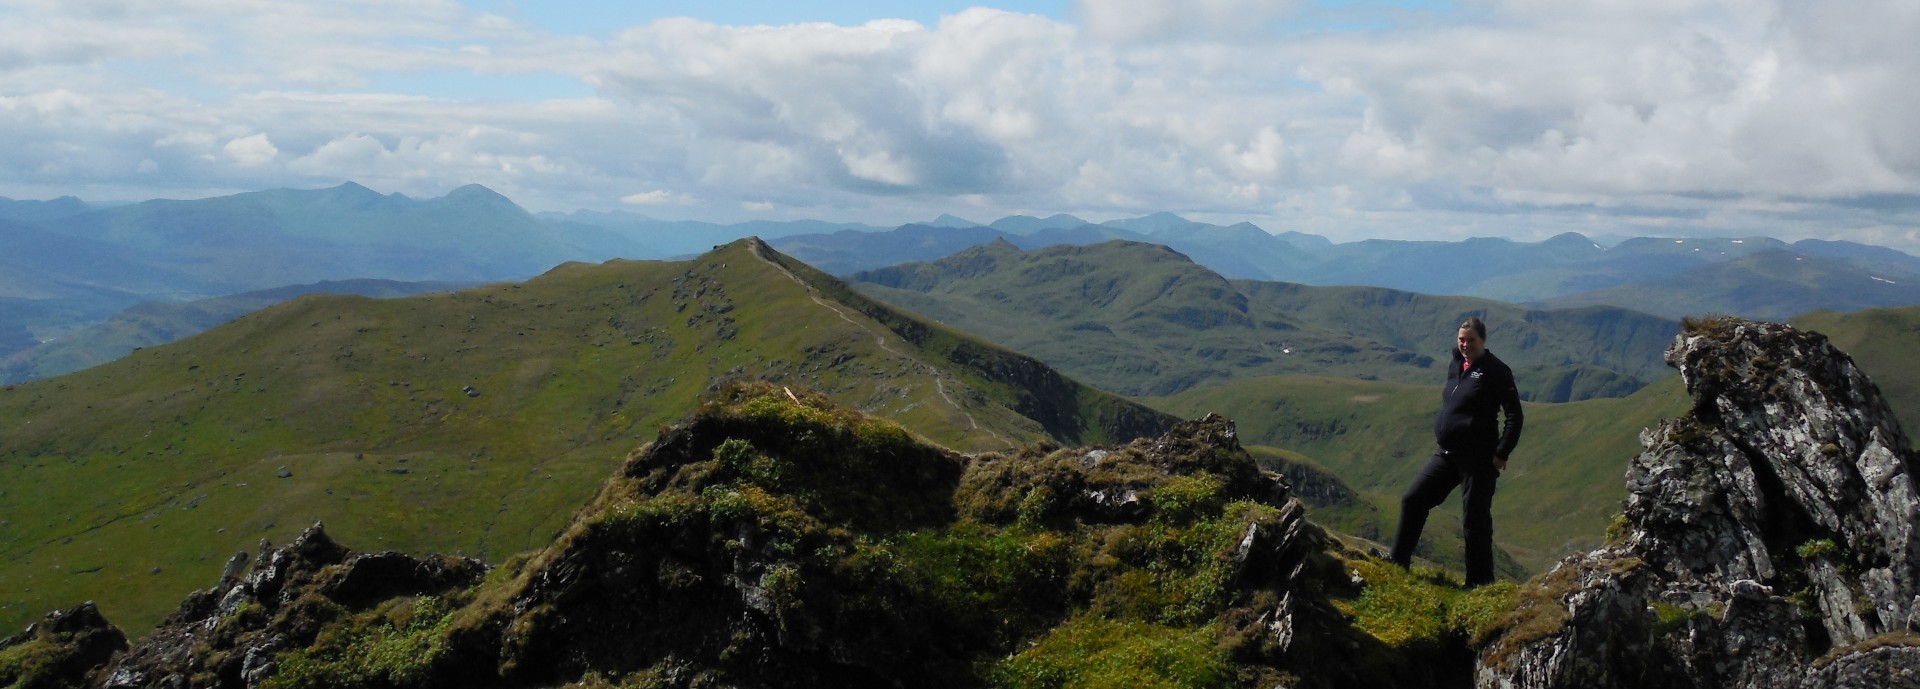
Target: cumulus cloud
251	151
1135	20
1509	117
657	197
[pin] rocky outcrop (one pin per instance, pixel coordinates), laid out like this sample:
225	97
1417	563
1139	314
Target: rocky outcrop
229	635
67	648
1771	538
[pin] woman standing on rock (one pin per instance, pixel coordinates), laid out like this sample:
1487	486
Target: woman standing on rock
1473	451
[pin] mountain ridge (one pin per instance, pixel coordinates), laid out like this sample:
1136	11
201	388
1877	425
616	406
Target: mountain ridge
459	421
1147	320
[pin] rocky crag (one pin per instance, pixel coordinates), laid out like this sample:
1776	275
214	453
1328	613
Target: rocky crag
777	540
1769	538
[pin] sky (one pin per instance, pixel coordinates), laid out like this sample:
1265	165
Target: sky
1352	119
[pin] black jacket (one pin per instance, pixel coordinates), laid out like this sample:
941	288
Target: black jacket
1468	404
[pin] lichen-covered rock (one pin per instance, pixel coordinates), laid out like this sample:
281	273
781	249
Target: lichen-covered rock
1769	540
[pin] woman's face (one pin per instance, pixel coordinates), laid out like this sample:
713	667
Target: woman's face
1471	344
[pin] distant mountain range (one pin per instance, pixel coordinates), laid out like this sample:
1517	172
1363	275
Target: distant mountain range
69	265
1754	277
1141	319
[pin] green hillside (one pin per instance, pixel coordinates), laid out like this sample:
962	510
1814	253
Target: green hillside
471	422
155	323
1142	319
1557	496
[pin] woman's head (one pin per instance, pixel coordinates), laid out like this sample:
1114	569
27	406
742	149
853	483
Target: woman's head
1472	339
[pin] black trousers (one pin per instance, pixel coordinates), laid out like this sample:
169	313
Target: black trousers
1431	487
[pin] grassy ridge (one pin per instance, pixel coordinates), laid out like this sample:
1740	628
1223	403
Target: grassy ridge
1557	496
472	422
1142	319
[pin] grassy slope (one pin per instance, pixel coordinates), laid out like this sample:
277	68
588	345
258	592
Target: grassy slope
1563	486
131	483
154	323
1141	319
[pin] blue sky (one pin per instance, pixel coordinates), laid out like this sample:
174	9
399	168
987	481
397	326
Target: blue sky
1349	119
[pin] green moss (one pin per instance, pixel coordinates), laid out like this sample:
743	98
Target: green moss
1817	549
1668	617
1003	583
1618	528
782	584
1169	574
1095	653
395	644
1184	498
34	664
1424	608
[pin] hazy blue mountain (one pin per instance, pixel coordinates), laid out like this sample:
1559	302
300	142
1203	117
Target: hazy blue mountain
265	239
1027	224
1237	251
1774	284
1440	267
949	220
69	264
67	269
850	251
50	282
653	238
1150	224
1082	234
1872	258
35	211
1309	242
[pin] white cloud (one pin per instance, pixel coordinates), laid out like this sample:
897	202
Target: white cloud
1705	114
1135	20
251	151
657	197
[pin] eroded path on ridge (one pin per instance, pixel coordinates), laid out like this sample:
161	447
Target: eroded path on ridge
880	338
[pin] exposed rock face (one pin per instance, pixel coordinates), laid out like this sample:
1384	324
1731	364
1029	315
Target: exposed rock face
227	635
1770	538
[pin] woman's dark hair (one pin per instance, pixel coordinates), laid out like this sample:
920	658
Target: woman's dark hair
1474	322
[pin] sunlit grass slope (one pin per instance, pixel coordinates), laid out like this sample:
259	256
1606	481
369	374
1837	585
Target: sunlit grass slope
471	422
1142	319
